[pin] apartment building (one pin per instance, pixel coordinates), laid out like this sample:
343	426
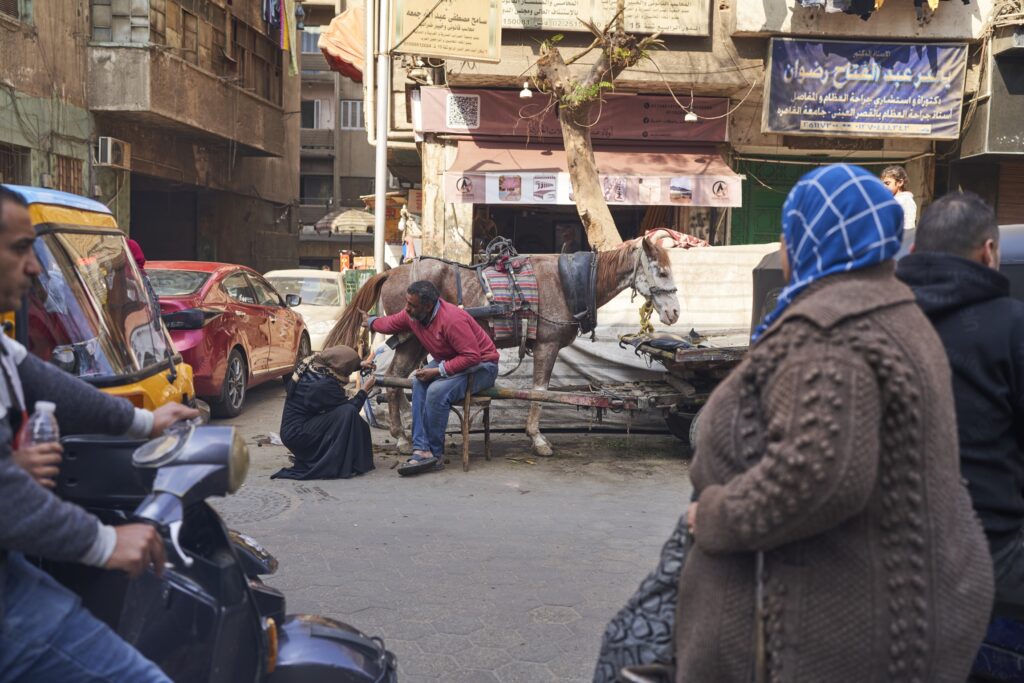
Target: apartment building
175	113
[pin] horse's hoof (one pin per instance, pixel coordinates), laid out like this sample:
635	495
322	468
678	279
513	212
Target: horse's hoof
404	446
543	449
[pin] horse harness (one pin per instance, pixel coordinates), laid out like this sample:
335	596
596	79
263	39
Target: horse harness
577	273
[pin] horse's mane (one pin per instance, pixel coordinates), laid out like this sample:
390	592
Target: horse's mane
348	329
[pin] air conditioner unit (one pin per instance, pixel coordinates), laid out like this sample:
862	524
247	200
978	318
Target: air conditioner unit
113	153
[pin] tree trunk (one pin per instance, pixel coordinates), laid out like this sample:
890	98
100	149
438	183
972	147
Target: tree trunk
575	99
586	183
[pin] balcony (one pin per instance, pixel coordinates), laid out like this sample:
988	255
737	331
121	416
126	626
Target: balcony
149	86
314	61
311	210
317	140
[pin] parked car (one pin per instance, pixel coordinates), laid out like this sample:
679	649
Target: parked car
230	325
323	299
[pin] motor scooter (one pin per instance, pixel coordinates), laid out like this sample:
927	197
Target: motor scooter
209	617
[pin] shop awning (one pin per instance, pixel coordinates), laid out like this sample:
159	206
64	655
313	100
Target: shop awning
510	174
342	43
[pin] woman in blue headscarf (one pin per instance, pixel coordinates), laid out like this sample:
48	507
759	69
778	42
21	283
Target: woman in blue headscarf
832	537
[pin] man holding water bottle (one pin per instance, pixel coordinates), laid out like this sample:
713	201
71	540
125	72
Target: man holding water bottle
45	633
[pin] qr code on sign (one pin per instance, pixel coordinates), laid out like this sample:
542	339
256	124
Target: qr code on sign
463	111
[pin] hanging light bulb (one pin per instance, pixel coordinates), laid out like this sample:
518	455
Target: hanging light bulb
690	117
526	93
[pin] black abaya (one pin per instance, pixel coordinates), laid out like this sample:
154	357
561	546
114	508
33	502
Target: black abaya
322	428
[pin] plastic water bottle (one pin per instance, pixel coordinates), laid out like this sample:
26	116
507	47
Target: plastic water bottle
42	426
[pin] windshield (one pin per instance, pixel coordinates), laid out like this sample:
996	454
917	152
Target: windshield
176	282
88	309
315	291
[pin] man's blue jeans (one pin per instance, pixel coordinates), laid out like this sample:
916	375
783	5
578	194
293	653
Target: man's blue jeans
46	635
431	402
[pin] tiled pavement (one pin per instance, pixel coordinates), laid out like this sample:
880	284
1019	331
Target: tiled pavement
506	573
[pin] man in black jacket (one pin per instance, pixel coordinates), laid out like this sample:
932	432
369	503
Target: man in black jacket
953	271
45	633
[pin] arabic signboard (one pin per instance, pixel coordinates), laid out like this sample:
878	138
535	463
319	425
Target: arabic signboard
622	117
677	17
469	30
524	187
856	89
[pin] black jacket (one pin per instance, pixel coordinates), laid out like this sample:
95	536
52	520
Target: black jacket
982	329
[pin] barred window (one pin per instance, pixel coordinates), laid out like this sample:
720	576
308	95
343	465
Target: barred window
69	175
14	162
11	8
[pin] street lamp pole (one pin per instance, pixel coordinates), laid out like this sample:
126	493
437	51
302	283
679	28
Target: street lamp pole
383	99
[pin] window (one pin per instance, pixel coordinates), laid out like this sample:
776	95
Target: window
310	114
237	287
18	9
310	38
315	291
353	188
352	115
265	294
258	60
315	189
176	282
69	175
189	37
14	164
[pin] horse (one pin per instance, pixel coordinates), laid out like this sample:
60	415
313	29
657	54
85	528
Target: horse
639	263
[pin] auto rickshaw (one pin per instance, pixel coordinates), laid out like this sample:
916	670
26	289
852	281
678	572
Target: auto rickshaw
88	312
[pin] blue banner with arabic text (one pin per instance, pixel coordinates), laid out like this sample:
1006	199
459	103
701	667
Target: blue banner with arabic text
856	89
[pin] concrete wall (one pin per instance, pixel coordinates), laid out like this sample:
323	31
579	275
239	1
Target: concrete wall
171	91
42	89
356	154
42	56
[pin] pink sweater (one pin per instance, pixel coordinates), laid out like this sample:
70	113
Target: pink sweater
453	336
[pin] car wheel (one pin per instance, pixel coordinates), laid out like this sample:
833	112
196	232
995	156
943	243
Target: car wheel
232	393
305	348
679	425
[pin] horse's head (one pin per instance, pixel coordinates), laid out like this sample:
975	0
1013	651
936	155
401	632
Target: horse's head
654	281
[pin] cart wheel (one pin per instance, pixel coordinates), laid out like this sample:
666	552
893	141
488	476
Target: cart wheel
679	425
694	426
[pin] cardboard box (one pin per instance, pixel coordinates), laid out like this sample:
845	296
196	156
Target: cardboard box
362	262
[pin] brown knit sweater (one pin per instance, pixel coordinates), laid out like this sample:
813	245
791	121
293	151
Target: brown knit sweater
833	448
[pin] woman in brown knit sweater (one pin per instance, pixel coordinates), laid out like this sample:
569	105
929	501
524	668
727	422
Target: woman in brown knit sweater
834	539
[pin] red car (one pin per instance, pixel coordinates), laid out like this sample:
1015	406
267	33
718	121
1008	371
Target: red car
230	325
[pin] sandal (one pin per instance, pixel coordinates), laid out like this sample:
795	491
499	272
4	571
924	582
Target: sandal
419	463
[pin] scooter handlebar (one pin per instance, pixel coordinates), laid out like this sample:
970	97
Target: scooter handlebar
166	512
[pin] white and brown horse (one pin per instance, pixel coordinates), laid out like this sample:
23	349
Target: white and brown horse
639	263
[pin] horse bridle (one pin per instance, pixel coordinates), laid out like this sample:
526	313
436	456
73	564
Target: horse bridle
643	260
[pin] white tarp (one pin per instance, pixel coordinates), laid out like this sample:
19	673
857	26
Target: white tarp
715	295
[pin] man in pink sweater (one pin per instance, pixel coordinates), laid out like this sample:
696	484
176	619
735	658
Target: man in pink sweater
459	350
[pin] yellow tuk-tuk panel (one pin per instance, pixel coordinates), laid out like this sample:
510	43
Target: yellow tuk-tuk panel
89	312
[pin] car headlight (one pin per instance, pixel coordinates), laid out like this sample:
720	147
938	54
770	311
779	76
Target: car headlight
238	462
321	326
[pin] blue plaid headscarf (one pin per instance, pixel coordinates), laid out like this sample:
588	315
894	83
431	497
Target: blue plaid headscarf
836	219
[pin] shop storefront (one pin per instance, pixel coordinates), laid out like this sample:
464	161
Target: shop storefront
510	169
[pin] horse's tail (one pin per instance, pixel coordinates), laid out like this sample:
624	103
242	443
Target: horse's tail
348	330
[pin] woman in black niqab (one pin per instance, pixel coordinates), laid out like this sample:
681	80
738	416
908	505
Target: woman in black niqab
321	425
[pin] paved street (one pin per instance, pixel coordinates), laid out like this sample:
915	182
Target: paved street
506	573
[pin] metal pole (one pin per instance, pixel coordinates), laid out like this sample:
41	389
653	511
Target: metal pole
383	77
